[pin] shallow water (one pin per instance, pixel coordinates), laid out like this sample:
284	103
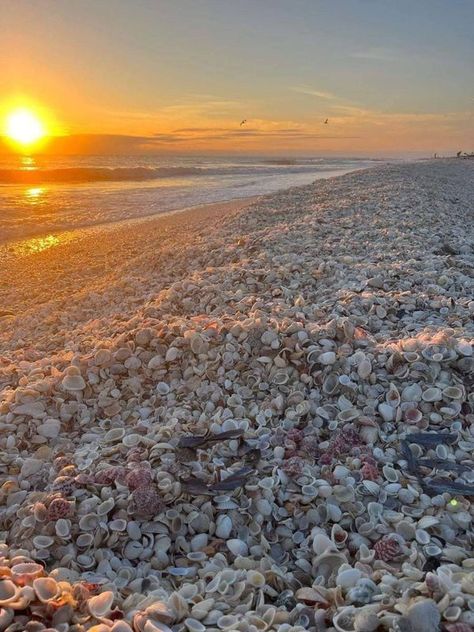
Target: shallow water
67	193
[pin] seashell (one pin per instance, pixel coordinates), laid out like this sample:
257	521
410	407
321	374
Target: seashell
371	487
322	544
227	622
343	621
63	528
364	369
156	626
453	392
330	384
113	435
393	396
74	383
422	536
256	579
121	626
423	616
25	572
348	578
452	613
386	412
131	440
412	415
43	541
406	529
366	621
327	358
117	525
223	526
348	415
104	508
338	535
8	592
390	473
100	605
89	522
280	377
432	550
237	547
46	589
412	393
432	395
84	540
327	564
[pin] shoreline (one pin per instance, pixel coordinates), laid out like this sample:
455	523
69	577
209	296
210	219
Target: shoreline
39	232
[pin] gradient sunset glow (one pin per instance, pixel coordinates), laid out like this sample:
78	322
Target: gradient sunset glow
180	76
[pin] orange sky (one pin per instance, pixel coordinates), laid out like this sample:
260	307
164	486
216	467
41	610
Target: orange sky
158	76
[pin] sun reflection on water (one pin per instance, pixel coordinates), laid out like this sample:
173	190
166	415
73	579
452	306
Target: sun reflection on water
34	194
37	244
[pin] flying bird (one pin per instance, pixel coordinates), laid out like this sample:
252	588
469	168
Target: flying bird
243	122
326	121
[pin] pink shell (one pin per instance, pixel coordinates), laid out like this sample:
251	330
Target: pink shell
58	508
139	477
146	501
293	466
106	476
369	472
386	549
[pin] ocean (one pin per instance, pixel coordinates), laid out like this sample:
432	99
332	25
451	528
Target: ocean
48	195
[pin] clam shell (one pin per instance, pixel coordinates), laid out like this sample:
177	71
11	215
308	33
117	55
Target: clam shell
8	592
46	589
63	528
100	605
432	395
43	541
237	547
25	572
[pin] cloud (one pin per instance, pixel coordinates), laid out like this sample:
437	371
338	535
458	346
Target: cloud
376	54
314	93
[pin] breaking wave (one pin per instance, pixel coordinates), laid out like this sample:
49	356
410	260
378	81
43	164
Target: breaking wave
94	174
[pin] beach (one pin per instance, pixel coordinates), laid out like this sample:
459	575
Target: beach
250	415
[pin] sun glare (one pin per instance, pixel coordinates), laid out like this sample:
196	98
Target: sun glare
24	127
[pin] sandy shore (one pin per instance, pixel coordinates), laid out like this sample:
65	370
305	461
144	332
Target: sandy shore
248	417
42	270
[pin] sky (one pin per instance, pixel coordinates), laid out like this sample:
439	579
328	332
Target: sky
391	77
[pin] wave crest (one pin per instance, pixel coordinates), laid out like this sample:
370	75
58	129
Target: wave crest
93	174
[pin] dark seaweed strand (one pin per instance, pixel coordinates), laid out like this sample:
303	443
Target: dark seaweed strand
432	438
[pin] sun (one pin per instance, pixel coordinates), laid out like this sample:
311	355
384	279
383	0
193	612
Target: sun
24	127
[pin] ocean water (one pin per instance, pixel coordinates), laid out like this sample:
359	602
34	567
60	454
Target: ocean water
44	196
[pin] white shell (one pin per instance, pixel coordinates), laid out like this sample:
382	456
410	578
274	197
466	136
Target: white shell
100	605
63	528
223	526
237	547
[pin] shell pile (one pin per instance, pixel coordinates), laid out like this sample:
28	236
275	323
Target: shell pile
272	428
